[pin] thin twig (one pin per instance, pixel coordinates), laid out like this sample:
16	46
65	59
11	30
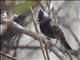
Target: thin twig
49	9
39	1
46	48
41	43
26	47
17	43
7	55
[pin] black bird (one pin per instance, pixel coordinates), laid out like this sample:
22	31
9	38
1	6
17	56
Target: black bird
49	30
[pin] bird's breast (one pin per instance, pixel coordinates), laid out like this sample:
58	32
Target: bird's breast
46	30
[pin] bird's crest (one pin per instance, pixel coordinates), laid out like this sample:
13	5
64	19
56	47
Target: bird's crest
42	14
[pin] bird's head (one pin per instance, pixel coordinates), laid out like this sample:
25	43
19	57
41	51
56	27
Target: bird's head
43	16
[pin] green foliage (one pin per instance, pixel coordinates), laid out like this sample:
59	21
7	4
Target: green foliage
25	6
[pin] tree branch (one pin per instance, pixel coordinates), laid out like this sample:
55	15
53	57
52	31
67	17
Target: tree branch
40	40
7	55
39	1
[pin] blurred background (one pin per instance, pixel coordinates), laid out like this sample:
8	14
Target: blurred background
24	47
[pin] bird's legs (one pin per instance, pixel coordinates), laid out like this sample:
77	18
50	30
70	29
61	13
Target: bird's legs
48	38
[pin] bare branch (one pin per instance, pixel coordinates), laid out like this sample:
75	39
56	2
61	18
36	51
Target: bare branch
7	55
39	1
26	47
40	40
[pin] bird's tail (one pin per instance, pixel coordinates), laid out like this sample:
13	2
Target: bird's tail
64	42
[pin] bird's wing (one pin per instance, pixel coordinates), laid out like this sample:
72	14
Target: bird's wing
56	30
60	35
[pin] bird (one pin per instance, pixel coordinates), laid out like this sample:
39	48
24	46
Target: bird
51	31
